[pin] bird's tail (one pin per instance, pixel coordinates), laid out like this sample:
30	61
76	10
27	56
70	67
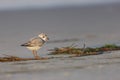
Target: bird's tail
25	44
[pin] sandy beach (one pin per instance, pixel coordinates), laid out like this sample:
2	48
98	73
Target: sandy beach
94	25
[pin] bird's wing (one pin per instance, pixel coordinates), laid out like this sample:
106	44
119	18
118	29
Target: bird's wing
34	42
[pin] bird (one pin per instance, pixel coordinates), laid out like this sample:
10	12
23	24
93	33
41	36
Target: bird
36	43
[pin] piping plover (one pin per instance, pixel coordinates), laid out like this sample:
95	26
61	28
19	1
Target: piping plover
36	43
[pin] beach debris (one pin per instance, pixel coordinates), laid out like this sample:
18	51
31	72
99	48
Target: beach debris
73	50
84	51
9	58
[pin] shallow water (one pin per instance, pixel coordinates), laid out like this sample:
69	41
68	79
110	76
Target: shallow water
94	26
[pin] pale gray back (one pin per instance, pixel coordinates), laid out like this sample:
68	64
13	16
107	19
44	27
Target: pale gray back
34	42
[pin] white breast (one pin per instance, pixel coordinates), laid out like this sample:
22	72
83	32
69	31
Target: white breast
34	48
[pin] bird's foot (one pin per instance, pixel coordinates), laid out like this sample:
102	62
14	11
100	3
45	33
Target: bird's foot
41	58
37	57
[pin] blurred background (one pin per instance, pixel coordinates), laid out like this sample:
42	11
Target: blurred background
94	22
66	22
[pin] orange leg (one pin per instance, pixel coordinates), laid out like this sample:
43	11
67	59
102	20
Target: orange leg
35	54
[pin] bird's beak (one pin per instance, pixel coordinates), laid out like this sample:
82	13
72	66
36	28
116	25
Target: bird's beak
47	38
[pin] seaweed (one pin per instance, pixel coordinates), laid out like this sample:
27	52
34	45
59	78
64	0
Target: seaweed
84	51
69	50
9	58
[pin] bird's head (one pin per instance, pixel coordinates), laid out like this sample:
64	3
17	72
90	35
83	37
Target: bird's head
43	36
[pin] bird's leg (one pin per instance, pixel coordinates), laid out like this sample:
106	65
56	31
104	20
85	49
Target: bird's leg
37	57
35	54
